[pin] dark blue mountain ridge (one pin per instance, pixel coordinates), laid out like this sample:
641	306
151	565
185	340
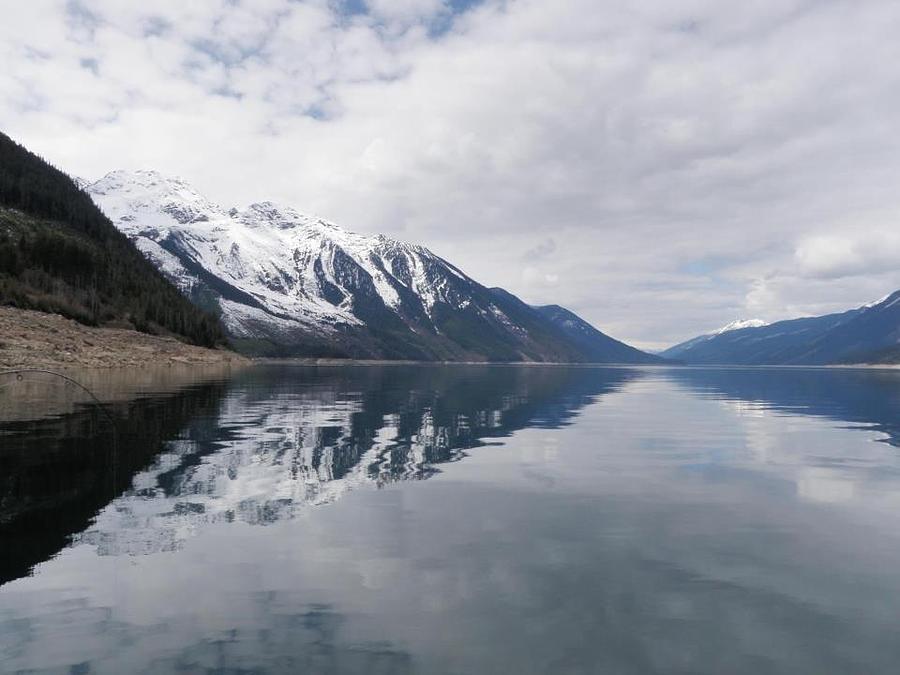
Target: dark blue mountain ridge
868	334
594	344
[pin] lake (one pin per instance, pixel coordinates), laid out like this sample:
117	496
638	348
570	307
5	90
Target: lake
456	519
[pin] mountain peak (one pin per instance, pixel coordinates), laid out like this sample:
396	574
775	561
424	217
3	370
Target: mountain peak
145	178
269	213
151	198
740	324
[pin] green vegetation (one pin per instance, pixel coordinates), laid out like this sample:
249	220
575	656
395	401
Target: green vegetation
59	253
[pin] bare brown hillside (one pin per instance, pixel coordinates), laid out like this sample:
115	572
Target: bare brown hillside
34	339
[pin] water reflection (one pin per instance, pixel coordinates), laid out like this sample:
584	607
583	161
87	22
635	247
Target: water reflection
868	397
770	405
55	474
259	446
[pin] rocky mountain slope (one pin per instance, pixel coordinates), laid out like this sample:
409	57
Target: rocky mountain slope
290	284
867	334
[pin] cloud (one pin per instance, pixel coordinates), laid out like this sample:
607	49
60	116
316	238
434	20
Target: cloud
849	254
542	250
643	139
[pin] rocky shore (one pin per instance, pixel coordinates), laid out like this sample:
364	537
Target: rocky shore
31	339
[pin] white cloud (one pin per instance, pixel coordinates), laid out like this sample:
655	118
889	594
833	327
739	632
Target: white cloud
850	253
692	161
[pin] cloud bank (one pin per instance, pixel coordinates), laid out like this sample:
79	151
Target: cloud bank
660	167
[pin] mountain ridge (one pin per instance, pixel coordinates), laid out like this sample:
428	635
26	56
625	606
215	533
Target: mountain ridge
289	284
593	341
866	334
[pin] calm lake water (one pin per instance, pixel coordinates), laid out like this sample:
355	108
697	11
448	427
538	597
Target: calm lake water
456	519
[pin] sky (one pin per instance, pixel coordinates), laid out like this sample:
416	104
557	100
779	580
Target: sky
661	167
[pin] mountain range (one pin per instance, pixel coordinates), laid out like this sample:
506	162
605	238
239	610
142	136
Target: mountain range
142	250
288	284
867	334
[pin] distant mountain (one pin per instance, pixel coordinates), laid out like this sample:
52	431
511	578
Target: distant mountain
867	334
59	253
688	346
290	284
595	345
742	323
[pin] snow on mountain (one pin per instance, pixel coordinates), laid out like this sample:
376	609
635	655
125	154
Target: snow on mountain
875	303
268	253
741	323
273	270
82	183
680	351
286	283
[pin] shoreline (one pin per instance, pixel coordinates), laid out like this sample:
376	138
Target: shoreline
32	339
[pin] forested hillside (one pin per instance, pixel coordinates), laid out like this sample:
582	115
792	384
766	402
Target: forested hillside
59	253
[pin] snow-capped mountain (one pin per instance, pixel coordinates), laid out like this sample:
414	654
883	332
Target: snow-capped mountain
869	333
741	323
291	284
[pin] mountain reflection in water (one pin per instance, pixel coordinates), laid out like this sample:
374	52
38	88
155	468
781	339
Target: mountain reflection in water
868	397
257	447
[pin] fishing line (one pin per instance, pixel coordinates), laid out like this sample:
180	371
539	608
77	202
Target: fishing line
19	373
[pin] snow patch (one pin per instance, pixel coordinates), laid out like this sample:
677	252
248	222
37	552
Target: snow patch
740	324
